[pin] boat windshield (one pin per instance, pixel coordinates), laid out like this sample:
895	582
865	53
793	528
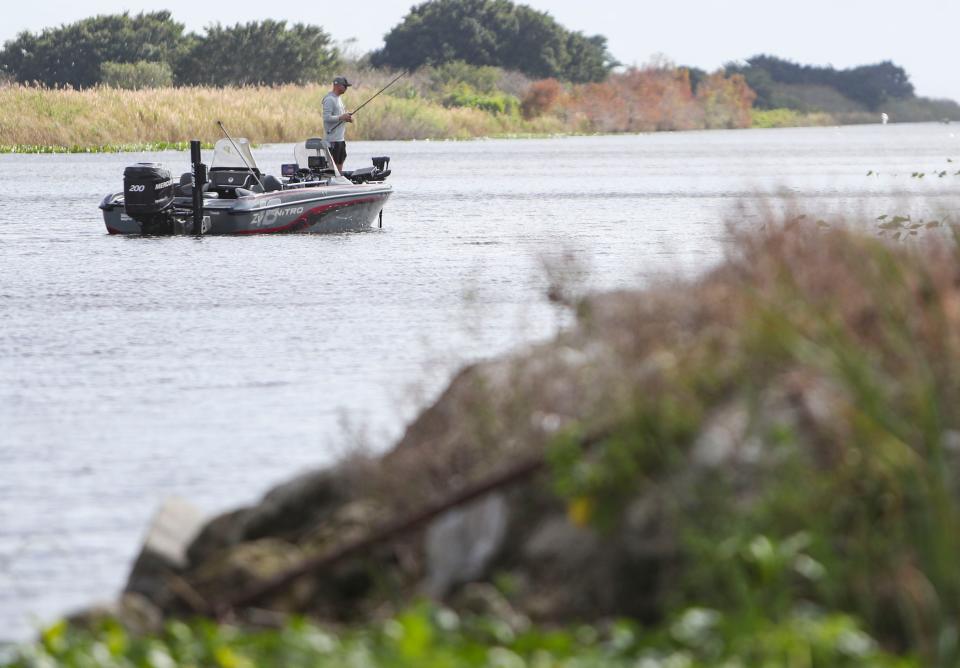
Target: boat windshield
225	156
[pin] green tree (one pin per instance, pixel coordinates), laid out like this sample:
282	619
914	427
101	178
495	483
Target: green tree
872	85
134	76
483	79
587	58
72	55
493	32
534	44
253	53
435	33
868	85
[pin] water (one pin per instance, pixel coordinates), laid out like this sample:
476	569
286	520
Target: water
136	369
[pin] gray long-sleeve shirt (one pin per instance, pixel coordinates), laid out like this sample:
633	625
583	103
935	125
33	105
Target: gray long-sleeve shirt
332	110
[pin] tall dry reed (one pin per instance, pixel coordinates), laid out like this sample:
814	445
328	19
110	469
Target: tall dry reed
107	116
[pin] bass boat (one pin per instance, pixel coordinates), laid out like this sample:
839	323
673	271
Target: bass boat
234	197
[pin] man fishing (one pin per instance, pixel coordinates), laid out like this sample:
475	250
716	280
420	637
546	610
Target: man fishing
335	116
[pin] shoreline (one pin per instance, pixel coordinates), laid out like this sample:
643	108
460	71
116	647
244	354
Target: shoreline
157	146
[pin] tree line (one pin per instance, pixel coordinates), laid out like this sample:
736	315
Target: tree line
867	85
151	49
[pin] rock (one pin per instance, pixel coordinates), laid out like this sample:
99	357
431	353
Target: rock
461	543
138	615
647	532
134	612
556	540
164	551
722	438
566	570
649	553
351	521
244	564
485	600
291	509
217	535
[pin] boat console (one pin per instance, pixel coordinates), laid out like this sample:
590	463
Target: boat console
314	163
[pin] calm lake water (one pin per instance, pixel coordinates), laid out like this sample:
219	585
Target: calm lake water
132	369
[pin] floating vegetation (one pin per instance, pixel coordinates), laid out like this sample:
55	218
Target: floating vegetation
104	148
899	227
939	173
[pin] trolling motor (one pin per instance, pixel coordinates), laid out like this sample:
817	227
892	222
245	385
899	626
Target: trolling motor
378	172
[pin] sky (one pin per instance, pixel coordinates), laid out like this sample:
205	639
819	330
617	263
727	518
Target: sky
917	35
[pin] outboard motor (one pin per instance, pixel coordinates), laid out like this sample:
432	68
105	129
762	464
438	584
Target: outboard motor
148	197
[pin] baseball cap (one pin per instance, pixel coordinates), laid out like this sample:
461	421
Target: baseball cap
342	81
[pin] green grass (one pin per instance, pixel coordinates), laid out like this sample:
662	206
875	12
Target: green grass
105	148
789	118
435	637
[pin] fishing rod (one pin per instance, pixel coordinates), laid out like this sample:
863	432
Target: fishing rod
370	99
240	153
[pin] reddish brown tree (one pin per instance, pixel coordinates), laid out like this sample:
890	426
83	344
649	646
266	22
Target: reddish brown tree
541	98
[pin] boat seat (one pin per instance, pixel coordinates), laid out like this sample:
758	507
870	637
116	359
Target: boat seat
185	187
271	183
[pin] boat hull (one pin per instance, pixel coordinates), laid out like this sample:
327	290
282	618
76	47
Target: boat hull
321	210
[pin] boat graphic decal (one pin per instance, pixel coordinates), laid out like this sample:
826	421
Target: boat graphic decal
309	218
270	216
276	202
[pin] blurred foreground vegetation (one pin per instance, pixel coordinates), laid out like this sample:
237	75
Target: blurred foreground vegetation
817	370
431	636
792	416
